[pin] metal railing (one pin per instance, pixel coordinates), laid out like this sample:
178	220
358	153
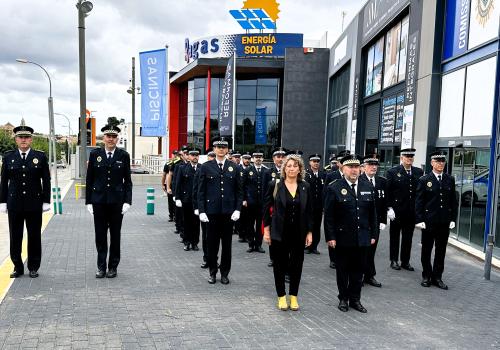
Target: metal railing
152	162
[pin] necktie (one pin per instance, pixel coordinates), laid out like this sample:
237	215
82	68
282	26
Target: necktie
354	188
110	155
371	181
24	156
409	172
220	166
316	174
194	167
258	170
439	179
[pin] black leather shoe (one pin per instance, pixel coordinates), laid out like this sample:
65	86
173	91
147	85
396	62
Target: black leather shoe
204	265
372	282
181	240
249	250
307	251
315	251
407	266
224	280
260	249
16	274
176	230
186	248
212	279
395	265
356	305
270	264
100	274
111	273
343	306
195	247
435	282
287	278
242	240
34	274
332	265
426	282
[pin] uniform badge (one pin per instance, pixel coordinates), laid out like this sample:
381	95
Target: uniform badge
429	184
273	174
12	160
399	175
35	161
230	168
344	191
99	158
251	173
241	173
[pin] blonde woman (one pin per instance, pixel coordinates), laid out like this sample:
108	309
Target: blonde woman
288	225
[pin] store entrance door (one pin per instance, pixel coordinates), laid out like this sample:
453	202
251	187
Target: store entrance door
389	158
470	168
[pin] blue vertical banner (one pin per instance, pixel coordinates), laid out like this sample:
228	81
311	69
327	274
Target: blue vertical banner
456	28
260	126
153	92
227	102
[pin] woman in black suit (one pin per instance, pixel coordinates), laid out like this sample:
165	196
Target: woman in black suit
290	227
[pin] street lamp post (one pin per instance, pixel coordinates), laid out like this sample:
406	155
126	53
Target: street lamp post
131	90
52	134
69	126
84	8
69	140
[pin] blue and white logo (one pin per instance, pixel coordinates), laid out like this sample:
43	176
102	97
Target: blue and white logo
253	19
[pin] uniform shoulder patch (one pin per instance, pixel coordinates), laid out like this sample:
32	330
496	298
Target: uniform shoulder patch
423	176
382	177
37	150
7	152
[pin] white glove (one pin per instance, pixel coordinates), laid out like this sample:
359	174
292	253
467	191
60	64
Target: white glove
382	226
203	217
173	198
45	207
90	208
236	215
391	214
421	225
125	208
3	207
196	212
452	225
178	203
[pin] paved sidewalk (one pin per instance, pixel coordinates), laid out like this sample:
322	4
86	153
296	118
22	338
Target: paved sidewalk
161	298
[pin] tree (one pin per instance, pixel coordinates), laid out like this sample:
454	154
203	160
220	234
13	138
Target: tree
115	122
7	141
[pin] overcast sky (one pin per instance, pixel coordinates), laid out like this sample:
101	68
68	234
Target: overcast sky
46	32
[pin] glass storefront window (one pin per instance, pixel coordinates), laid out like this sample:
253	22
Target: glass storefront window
268	81
199	83
267	92
377	65
199	94
369	71
246	92
392	56
339	94
402	47
269	105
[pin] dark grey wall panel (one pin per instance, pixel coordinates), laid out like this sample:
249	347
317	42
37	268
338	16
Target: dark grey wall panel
304	100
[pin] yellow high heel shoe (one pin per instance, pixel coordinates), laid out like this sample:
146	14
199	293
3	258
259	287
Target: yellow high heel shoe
293	303
282	305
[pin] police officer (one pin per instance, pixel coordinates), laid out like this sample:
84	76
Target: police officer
316	178
166	170
350	228
372	162
179	219
270	174
253	197
210	156
229	155
246	159
333	163
236	157
184	200
401	191
436	208
241	224
220	197
170	183
108	197
25	193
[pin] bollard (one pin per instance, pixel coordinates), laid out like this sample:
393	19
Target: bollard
150	206
488	256
54	198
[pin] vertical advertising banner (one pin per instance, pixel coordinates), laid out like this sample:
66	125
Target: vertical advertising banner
227	103
260	126
153	96
456	30
410	91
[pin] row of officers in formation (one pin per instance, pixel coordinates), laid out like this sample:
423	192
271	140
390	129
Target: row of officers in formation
283	206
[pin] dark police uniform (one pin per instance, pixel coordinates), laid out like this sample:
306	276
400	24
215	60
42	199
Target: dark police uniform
170	197
179	219
252	193
270	174
350	220
436	205
220	193
316	182
401	193
172	183
108	187
241	224
25	187
184	193
379	192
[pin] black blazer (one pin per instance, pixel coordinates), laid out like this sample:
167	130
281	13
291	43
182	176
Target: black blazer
279	204
402	188
436	204
379	192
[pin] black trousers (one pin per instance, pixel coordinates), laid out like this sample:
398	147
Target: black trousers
288	257
219	230
171	206
191	225
318	217
241	224
179	220
370	260
204	241
434	234
403	226
254	225
33	221
350	265
331	253
107	215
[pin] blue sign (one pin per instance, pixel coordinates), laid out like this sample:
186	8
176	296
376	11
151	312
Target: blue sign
227	102
153	96
456	28
266	44
260	126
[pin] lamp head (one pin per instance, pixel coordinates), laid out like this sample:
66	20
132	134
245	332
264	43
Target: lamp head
21	60
130	90
84	6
